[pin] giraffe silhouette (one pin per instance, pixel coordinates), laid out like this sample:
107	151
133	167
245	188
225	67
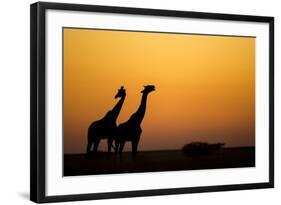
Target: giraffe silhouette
105	127
131	130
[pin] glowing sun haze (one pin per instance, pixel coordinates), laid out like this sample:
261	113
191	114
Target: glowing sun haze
205	86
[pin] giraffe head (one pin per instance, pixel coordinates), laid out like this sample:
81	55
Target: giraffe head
148	88
121	93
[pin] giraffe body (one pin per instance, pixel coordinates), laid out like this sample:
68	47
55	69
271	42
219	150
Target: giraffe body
130	131
105	128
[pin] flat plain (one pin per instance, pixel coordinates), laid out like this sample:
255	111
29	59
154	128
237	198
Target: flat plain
155	161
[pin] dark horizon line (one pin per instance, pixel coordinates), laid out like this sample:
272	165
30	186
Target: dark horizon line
168	150
159	32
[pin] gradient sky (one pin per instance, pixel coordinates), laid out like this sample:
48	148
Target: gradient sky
205	86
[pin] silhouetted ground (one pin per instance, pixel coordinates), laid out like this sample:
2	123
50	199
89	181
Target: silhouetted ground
151	161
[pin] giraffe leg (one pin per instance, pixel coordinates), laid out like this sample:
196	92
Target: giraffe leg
135	148
96	144
89	146
109	144
116	146
121	146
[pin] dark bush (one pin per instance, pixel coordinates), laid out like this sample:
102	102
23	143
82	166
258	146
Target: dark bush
201	148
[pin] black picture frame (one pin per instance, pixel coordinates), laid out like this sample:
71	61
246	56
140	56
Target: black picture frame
38	100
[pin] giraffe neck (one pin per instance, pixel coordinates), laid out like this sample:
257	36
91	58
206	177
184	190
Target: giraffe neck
112	115
139	114
117	108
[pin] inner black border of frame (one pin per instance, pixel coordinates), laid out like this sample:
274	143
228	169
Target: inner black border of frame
37	101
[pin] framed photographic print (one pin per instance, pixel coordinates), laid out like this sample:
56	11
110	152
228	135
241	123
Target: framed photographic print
129	102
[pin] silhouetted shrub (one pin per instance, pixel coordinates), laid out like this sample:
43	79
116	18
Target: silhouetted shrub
201	148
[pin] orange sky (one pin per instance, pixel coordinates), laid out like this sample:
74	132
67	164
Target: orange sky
205	86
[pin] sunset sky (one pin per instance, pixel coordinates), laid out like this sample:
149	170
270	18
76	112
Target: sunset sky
205	86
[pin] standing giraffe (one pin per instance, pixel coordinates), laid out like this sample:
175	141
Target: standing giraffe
131	130
105	127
